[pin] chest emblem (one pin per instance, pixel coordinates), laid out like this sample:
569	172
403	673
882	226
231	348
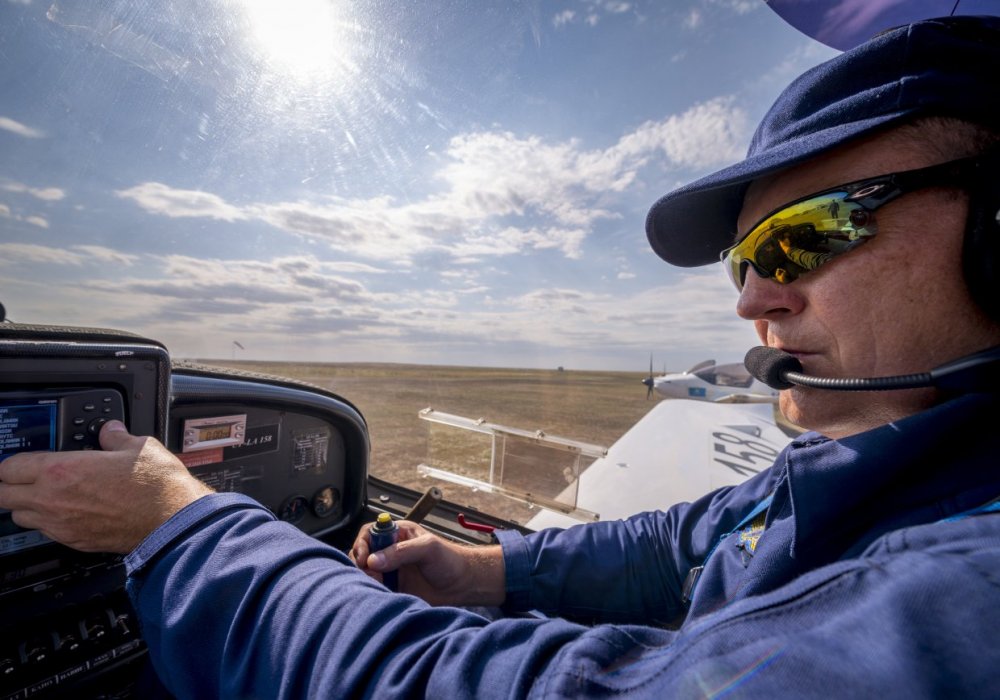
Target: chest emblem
751	533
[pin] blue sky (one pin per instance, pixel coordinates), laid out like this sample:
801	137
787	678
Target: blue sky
431	182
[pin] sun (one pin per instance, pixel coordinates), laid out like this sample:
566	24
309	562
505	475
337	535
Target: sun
304	39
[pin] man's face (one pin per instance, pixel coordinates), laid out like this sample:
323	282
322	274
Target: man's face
895	305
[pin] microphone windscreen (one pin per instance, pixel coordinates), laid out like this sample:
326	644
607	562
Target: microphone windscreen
769	365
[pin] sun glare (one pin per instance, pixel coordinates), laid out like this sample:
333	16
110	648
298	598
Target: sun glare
303	38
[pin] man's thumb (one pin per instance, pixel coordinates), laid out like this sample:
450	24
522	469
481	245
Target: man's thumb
392	557
114	436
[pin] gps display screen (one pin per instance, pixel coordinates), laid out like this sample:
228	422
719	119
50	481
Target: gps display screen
26	426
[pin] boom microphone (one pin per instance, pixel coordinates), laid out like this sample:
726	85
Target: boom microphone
977	372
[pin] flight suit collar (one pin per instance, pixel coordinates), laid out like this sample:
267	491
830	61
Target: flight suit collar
919	469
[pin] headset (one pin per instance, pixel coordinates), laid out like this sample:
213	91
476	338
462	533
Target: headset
978	372
981	246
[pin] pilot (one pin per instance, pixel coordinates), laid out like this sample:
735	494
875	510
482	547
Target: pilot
802	257
864	562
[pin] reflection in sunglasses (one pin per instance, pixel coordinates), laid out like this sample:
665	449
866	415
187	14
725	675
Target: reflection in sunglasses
800	238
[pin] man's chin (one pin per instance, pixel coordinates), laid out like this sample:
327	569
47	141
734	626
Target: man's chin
791	407
837	414
830	413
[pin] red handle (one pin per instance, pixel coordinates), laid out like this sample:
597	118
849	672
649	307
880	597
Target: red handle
478	527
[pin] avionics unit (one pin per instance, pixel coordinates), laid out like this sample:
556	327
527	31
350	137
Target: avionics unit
59	386
66	620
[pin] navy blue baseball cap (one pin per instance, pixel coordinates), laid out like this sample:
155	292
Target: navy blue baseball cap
947	66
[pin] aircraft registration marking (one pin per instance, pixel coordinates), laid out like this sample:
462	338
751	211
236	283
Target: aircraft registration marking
744	456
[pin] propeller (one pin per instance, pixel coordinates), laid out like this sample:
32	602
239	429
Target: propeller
648	381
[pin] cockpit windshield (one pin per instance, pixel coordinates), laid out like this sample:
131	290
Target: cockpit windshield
726	375
412	204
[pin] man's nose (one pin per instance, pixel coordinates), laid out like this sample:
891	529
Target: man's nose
765	298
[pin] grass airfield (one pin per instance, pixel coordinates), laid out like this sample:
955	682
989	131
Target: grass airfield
590	406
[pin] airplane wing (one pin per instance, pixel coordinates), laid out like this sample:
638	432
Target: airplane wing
677	452
747	398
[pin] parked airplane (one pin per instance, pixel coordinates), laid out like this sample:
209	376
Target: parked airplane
707	381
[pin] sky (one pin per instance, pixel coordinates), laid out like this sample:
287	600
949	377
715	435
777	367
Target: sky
424	182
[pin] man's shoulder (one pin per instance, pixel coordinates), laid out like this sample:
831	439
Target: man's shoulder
963	536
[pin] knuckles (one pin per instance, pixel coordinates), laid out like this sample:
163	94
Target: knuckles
61	471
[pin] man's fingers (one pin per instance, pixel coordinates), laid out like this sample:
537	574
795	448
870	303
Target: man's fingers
399	554
28	519
13	496
20	468
391	557
360	552
114	436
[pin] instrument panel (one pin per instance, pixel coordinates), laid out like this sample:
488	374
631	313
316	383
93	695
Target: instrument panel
293	449
66	625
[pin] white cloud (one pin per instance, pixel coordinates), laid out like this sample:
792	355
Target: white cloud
513	240
706	135
592	13
564	17
742	7
473	290
499	174
274	295
552	298
162	199
33	219
693	19
356	267
102	255
16	127
20	253
48	194
500	193
373	228
680	318
271	303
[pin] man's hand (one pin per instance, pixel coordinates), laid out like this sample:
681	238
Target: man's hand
106	501
440	572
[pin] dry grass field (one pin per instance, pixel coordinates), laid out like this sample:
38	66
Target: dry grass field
590	406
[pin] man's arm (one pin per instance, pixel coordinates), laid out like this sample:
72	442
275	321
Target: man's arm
622	571
234	603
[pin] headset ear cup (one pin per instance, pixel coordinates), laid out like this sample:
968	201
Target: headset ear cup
981	248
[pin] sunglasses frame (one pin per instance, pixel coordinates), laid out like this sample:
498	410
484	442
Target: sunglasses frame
870	194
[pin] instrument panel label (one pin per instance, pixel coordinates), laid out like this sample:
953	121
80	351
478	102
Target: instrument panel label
259	440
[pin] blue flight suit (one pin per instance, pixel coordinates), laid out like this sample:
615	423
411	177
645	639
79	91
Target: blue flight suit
870	577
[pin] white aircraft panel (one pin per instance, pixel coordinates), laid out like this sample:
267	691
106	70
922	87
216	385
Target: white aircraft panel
680	450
